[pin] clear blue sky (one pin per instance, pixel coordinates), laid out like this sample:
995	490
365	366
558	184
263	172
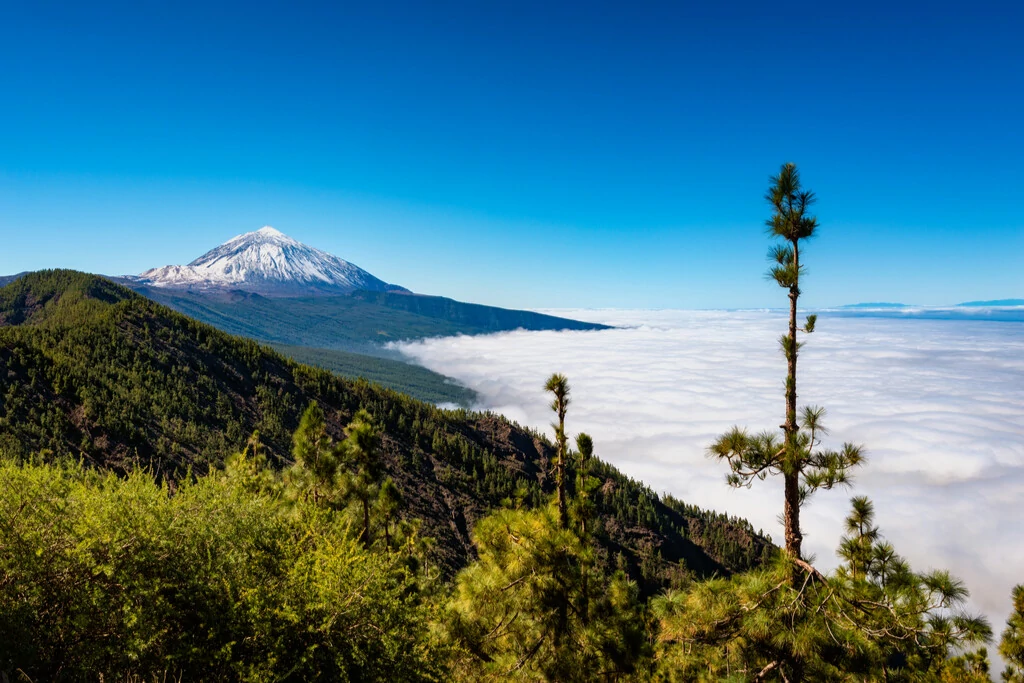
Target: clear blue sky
524	154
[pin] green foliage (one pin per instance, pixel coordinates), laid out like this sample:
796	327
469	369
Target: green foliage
389	503
95	371
538	603
558	386
754	457
790	220
361	483
211	580
122	382
537	607
912	619
358	323
583	508
874	619
58	297
1011	647
755	626
970	667
416	381
317	458
323	571
798	458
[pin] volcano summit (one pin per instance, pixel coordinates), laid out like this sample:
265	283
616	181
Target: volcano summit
269	263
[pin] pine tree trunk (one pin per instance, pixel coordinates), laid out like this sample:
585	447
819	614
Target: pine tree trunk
563	510
791	513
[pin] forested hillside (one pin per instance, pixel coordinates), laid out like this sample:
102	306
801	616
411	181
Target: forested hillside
97	372
414	380
346	333
359	322
178	503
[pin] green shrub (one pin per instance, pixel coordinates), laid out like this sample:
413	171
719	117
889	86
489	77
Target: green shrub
212	581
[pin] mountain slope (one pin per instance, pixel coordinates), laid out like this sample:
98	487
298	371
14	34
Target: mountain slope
414	380
269	262
360	322
267	286
8	279
95	371
393	373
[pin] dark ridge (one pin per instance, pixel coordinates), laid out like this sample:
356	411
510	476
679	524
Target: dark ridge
361	322
993	302
8	279
477	316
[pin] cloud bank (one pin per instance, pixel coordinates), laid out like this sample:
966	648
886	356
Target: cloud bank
938	404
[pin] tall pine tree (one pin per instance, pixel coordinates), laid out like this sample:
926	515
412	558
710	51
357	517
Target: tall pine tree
805	466
558	385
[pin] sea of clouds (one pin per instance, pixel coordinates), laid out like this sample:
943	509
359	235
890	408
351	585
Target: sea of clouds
938	405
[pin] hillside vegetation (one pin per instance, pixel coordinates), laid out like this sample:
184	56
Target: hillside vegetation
96	372
179	503
359	322
346	334
414	380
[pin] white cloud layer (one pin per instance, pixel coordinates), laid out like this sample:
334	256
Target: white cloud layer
939	406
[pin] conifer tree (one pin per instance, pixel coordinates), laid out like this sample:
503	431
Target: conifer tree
249	469
858	545
389	501
1011	647
316	457
558	385
583	504
804	466
871	620
537	607
361	483
970	667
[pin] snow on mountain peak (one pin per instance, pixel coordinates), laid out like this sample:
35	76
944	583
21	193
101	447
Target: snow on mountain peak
268	262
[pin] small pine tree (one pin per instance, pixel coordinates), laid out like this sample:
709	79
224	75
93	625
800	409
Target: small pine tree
317	458
584	509
1011	647
389	502
362	480
871	620
249	470
537	607
558	385
858	545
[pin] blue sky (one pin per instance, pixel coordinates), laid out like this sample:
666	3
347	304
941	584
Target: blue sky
524	154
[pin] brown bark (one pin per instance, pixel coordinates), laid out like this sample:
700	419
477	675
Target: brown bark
563	510
791	512
791	515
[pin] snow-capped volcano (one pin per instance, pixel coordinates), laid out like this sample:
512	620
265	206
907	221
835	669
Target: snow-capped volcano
266	262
